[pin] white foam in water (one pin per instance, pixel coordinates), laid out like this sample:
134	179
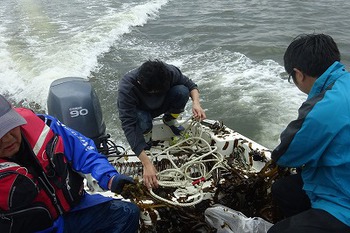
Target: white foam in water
9	82
69	44
229	80
50	48
261	87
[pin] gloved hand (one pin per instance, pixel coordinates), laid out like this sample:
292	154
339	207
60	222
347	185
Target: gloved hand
119	181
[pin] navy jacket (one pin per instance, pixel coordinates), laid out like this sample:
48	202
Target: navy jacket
131	98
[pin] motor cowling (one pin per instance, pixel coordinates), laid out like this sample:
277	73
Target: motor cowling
74	102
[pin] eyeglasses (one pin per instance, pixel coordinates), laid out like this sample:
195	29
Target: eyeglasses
291	76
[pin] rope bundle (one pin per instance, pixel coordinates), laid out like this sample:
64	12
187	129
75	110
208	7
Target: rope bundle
192	161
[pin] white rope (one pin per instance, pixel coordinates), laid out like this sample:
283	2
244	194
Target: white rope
192	173
179	203
182	176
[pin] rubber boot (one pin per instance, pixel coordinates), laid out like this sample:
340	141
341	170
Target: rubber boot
169	119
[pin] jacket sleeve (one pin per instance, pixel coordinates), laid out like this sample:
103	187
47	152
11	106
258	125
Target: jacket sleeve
127	102
307	138
180	79
82	153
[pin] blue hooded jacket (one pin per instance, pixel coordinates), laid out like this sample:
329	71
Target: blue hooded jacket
319	142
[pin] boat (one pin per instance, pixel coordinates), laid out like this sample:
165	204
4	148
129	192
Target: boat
209	164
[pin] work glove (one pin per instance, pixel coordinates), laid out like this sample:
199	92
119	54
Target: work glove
119	181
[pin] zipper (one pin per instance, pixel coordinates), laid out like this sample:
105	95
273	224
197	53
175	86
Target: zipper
9	216
45	181
13	213
51	191
7	173
2	216
51	154
52	150
69	188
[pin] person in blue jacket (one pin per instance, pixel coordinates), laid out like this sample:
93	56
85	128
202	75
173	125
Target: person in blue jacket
317	143
153	89
41	184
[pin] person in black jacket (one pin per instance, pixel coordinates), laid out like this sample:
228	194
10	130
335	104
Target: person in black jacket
153	89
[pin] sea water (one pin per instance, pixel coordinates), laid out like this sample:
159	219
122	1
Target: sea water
233	50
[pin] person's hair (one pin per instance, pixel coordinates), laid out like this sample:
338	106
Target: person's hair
154	76
312	54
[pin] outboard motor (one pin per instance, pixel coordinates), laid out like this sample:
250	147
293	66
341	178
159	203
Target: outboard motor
74	102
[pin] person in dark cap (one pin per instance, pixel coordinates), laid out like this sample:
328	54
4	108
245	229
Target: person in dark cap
153	89
41	184
317	143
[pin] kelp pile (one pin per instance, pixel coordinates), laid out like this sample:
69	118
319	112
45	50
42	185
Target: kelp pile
236	188
199	171
157	216
250	193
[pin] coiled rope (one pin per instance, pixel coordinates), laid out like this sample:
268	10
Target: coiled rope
197	156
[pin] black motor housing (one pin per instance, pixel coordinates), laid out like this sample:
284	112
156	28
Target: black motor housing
74	102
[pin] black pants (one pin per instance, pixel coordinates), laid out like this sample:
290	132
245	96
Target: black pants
300	218
310	221
289	195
